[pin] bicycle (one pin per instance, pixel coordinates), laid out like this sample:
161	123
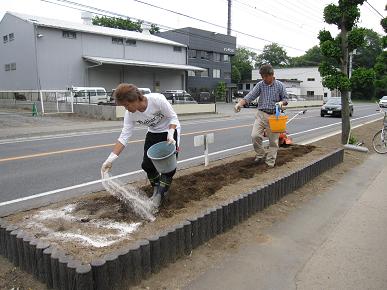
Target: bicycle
379	141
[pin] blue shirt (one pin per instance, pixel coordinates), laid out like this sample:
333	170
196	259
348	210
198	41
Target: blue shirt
268	95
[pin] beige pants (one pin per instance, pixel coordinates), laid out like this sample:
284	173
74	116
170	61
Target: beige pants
261	124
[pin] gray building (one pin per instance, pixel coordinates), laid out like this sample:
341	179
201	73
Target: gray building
209	50
39	53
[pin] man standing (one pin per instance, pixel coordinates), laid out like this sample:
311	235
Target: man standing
271	93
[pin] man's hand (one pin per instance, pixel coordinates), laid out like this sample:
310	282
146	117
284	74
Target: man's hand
280	104
170	138
107	165
237	108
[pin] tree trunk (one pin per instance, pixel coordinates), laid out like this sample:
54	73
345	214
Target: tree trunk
345	122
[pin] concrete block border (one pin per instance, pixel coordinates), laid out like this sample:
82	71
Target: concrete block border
129	265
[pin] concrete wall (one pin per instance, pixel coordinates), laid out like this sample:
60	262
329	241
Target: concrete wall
304	104
20	51
180	109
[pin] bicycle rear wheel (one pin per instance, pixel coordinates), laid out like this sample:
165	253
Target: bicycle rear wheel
379	142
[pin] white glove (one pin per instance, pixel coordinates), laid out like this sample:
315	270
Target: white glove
279	104
237	108
170	139
107	165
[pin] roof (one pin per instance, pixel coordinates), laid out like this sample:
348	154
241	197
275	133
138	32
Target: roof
123	61
94	29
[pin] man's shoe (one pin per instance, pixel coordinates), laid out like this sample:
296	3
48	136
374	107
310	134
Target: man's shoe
270	165
156	199
259	160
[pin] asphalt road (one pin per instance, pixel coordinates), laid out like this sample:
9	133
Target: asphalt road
36	166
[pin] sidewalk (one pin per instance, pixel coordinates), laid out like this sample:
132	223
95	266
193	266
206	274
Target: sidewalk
336	241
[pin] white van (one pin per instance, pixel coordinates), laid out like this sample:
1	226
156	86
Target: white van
91	95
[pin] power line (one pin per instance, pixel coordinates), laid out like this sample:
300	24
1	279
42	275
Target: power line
375	9
107	13
245	5
171	11
300	11
217	25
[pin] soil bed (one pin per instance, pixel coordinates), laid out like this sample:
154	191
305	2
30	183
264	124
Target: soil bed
93	226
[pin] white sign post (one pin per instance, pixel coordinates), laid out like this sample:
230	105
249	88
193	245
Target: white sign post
204	140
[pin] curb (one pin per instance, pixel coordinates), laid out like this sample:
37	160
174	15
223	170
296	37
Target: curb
129	265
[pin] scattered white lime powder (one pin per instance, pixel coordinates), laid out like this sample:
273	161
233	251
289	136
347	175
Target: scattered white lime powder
84	232
133	197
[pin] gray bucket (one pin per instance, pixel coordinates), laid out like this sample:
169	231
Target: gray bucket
163	156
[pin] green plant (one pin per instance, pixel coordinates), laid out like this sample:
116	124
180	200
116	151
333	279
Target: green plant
352	140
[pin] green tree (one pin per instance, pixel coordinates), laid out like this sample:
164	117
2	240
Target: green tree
312	57
243	61
362	83
380	66
154	29
273	54
220	91
235	75
344	15
367	53
124	24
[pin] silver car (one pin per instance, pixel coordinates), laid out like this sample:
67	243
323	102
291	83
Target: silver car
383	102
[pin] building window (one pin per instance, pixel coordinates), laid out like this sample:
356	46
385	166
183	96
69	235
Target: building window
216	73
11	36
191	73
204	74
69	34
131	42
227	75
7	67
310	79
13	66
192	53
117	40
5	38
310	93
226	58
240	86
204	55
216	56
247	87
177	48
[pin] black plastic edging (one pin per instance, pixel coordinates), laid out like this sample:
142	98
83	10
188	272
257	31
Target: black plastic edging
129	265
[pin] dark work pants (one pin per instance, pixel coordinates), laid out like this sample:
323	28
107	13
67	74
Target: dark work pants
147	164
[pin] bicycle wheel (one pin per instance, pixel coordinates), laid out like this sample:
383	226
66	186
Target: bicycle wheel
379	143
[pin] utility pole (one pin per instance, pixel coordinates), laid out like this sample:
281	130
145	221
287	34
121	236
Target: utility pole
229	18
350	69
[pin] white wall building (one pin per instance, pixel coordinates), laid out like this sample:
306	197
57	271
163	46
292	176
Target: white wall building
42	53
309	77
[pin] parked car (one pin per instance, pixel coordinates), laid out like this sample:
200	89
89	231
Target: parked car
145	91
92	95
185	99
333	107
383	102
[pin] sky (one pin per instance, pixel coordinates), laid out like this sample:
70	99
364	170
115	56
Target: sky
293	24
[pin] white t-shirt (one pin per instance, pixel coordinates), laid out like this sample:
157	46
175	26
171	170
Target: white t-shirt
158	115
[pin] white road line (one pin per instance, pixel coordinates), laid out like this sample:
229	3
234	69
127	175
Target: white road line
181	161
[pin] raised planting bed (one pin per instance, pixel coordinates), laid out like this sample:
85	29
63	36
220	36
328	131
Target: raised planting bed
98	243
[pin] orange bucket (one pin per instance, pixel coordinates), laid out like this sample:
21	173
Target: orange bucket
278	124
